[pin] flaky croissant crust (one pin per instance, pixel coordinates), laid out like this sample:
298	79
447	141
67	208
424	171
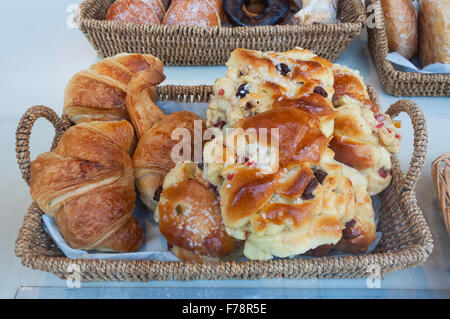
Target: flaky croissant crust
87	185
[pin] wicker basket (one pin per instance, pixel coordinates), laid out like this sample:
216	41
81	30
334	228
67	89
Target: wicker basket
440	170
406	240
182	45
396	82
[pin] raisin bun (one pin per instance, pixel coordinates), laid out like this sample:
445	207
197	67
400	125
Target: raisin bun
259	81
364	137
298	199
189	217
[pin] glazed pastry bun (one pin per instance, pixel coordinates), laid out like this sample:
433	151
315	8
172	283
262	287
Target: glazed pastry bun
189	217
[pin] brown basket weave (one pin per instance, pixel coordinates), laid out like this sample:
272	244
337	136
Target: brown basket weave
406	239
184	45
440	170
396	82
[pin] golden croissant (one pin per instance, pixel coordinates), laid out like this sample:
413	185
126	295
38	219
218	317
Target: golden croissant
100	93
87	185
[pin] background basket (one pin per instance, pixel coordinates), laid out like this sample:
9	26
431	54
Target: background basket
396	82
183	45
406	240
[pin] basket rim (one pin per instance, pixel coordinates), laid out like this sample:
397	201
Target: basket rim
405	257
378	45
350	27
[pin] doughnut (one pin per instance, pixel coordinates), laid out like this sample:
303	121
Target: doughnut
238	14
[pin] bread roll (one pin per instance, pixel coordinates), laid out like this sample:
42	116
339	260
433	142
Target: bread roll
401	26
434	25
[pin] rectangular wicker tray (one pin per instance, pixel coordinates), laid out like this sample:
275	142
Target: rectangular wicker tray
396	82
406	240
184	45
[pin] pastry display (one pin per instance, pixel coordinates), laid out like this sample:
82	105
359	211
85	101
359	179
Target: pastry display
87	186
210	13
434	26
100	92
401	26
316	11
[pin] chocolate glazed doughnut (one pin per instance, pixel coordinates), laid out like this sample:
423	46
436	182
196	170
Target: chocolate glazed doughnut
238	14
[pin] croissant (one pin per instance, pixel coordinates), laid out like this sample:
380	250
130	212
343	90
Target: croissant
87	185
152	159
99	93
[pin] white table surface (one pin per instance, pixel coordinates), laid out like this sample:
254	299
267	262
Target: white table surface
38	56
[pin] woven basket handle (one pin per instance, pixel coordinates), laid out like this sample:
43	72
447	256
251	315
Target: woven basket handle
420	139
23	134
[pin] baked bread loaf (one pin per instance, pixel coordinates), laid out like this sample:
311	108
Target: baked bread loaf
99	93
258	81
189	217
136	11
363	137
434	28
288	209
316	11
87	185
202	13
401	26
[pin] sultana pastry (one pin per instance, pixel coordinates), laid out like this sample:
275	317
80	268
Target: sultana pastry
189	217
258	81
152	159
364	137
100	93
136	11
87	185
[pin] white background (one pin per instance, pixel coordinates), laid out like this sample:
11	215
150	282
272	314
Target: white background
39	54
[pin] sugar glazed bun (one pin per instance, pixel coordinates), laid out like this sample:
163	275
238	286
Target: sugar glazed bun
202	13
316	12
189	217
257	81
136	11
100	92
434	25
401	26
304	203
